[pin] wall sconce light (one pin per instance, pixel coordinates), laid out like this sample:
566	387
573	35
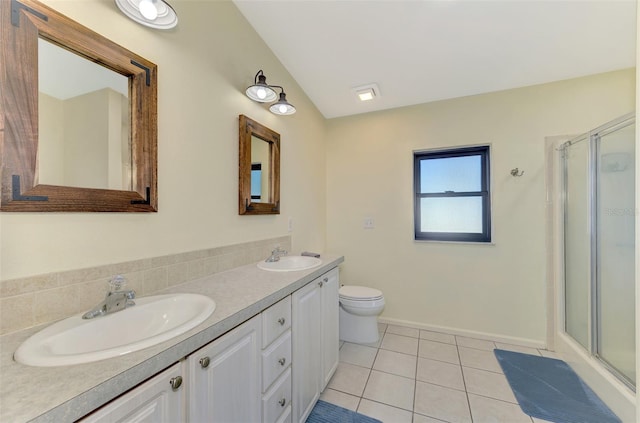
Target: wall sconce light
156	14
264	93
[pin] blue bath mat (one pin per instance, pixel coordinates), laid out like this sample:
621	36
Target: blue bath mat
549	389
325	412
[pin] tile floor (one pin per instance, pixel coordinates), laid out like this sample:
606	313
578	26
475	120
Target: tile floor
419	376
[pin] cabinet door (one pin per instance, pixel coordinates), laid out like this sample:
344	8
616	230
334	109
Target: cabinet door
153	401
224	377
330	326
306	330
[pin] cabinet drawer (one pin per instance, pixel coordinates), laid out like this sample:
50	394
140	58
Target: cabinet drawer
277	400
275	321
276	359
286	416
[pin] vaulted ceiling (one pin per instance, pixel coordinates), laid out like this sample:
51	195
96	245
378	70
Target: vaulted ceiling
420	51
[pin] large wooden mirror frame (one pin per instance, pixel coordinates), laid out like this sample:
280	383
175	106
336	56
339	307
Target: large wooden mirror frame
22	23
269	202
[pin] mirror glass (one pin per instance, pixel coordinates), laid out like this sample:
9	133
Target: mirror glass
260	170
83	122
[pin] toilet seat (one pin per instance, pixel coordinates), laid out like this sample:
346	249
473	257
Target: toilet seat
359	293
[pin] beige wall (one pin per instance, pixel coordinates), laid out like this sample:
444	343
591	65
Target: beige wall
496	289
203	68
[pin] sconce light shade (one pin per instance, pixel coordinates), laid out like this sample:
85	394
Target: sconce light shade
156	14
260	91
282	106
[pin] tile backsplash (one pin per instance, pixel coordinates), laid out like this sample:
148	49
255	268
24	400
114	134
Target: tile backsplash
34	300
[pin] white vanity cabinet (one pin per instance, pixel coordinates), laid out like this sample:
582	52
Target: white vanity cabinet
158	400
315	341
225	377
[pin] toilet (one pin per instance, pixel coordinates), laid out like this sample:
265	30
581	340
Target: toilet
359	310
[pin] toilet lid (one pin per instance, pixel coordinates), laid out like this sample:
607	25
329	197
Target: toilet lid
354	292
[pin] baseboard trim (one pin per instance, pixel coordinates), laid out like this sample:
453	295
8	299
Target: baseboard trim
513	340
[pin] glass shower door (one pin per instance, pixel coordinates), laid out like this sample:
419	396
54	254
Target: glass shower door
577	237
615	289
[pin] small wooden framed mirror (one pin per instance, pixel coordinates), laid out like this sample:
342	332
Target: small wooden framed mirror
78	117
259	168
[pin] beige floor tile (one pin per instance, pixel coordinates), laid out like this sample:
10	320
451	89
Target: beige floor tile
360	355
419	418
350	379
488	410
384	413
479	359
438	351
479	344
437	336
396	363
341	399
442	403
396	391
399	343
377	343
440	373
518	348
404	331
488	384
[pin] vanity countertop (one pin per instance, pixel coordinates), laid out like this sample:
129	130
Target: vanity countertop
66	393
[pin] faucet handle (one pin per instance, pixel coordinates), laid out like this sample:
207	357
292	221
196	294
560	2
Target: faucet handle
279	250
117	283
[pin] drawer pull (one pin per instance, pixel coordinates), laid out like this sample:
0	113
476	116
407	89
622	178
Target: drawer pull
281	321
282	402
326	280
282	361
320	284
175	382
204	362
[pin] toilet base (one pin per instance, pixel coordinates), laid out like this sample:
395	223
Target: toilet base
358	329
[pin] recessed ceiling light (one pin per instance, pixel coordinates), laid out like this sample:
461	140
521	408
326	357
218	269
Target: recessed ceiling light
367	92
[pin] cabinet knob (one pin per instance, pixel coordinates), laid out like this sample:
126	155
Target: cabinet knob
204	362
175	382
325	280
320	284
282	361
281	321
282	402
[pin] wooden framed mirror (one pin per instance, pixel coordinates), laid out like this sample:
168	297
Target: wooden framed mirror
104	157
259	168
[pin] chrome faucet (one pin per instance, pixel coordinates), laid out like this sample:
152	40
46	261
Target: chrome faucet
276	254
115	300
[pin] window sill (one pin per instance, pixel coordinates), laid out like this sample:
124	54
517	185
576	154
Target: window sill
434	241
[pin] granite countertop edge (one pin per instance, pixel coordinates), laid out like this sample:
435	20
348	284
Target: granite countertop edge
125	372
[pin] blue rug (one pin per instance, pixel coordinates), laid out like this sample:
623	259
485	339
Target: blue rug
324	412
549	389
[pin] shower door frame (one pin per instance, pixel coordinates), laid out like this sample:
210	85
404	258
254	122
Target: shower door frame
593	138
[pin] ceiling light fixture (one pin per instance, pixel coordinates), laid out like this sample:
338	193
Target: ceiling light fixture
264	93
156	14
367	92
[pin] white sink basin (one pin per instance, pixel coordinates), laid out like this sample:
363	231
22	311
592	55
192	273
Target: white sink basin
290	264
152	320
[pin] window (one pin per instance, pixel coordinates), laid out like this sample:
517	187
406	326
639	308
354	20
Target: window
452	198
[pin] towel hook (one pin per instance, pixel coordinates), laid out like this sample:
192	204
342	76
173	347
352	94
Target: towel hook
516	172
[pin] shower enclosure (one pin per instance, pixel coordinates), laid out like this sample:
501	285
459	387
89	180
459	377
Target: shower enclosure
599	244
